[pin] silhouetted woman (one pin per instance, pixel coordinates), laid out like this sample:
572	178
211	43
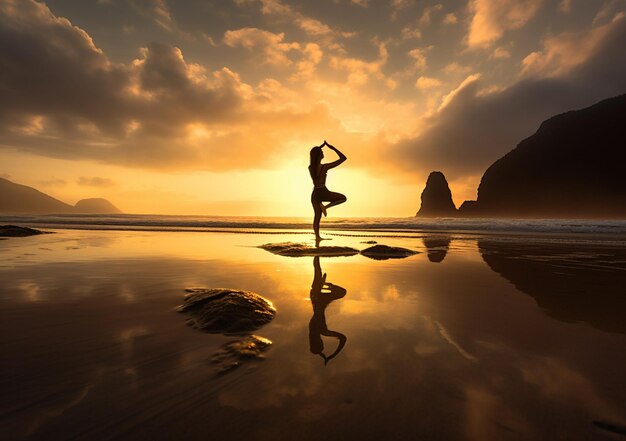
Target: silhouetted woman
320	193
320	300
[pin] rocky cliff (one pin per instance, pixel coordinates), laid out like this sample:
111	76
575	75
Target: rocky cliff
437	198
573	166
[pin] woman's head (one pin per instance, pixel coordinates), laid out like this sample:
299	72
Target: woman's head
316	155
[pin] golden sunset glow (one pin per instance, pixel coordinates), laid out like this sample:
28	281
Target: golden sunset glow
211	107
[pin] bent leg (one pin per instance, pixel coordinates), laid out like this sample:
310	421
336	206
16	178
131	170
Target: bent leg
334	198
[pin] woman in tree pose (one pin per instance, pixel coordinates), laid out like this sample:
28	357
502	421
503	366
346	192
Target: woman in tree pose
320	193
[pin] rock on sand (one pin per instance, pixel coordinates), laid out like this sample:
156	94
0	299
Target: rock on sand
233	354
383	252
15	231
292	249
226	311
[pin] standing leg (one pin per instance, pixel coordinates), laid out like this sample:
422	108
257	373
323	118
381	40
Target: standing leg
317	210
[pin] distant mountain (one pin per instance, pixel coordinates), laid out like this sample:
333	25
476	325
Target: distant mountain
573	166
437	198
95	206
17	198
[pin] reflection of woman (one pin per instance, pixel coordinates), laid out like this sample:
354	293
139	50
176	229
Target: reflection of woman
320	300
320	193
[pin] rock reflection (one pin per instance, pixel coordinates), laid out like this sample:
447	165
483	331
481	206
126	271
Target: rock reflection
582	283
322	294
437	248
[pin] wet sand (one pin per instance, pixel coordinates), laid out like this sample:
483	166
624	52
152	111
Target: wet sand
473	338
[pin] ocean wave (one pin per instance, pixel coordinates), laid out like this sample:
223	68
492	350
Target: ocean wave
412	224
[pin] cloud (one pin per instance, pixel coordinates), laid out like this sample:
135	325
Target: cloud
398	6
500	53
95	181
287	12
609	11
565	6
158	11
419	57
456	68
360	71
450	19
305	68
271	45
62	97
425	19
491	18
425	83
473	128
564	51
409	32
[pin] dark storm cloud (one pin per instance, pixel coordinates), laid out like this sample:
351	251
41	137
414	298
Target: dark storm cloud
474	129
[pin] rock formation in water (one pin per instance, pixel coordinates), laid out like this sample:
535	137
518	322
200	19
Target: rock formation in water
573	166
384	252
15	231
21	199
437	198
226	311
469	209
95	206
292	249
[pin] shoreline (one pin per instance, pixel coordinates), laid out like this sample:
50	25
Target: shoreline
617	239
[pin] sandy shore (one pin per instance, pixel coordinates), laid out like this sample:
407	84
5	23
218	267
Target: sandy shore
474	337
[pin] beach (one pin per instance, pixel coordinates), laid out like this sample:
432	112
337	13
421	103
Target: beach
478	336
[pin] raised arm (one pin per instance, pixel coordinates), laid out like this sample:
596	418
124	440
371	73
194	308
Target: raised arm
339	161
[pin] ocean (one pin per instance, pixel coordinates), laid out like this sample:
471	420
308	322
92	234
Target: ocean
303	225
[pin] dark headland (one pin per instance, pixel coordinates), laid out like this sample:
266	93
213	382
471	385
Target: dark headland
572	167
22	199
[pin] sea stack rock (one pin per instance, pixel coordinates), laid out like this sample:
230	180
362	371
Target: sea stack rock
437	198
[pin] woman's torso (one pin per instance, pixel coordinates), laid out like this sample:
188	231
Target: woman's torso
319	178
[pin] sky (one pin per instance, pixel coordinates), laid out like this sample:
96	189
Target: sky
211	107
